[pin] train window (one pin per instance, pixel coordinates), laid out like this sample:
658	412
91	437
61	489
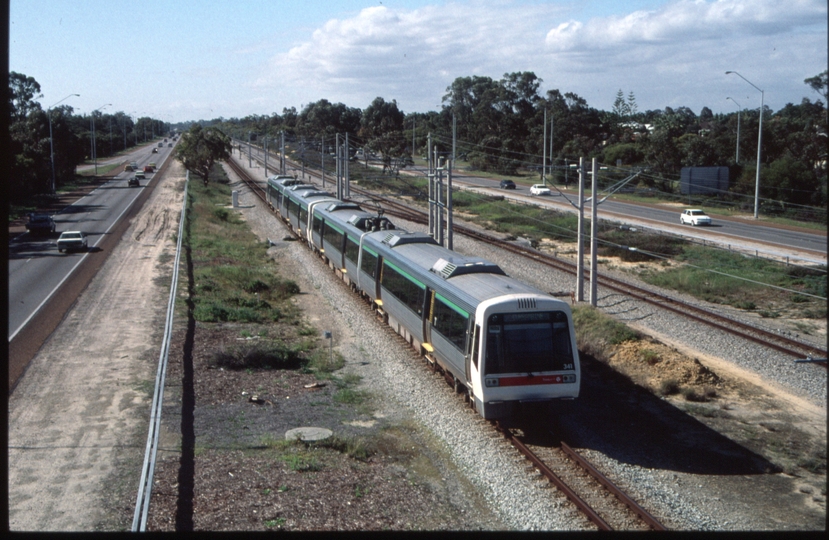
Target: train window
450	321
333	236
352	249
527	342
317	224
303	216
290	207
369	263
404	287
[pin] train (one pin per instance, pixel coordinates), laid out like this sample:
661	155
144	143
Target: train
498	341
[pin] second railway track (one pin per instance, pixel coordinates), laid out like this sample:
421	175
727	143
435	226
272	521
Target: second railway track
776	341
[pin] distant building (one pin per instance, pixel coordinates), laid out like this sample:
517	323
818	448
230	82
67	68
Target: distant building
703	180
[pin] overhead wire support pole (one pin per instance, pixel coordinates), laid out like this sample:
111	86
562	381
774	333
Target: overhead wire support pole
544	152
593	225
322	159
339	166
431	176
438	202
449	220
347	157
580	237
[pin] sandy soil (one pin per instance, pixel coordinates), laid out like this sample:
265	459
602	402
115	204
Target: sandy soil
77	420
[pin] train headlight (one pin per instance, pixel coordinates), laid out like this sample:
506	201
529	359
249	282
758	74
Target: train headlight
491	382
568	378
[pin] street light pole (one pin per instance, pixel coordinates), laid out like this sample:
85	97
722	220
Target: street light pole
94	145
51	144
759	144
737	159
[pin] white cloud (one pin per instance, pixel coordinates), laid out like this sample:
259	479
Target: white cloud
674	55
686	20
381	52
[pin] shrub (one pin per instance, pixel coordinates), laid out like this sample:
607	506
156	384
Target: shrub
669	387
258	356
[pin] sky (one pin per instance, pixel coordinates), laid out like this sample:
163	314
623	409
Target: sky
183	60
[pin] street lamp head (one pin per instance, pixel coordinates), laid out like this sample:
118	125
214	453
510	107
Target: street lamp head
728	72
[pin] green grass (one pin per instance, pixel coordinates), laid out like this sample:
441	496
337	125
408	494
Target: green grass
235	280
597	332
741	281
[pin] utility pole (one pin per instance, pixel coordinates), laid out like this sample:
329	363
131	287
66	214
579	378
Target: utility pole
438	193
449	221
338	154
552	160
282	152
593	225
580	242
544	152
347	177
322	159
431	180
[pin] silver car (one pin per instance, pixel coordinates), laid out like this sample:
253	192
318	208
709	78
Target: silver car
72	240
694	217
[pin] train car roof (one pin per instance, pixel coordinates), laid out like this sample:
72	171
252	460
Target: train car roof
347	214
467	280
283	181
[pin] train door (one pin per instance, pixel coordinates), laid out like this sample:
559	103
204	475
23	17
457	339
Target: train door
471	350
428	310
473	363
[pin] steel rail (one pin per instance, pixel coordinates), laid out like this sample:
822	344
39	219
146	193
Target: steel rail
623	497
782	344
142	505
580	503
763	337
548	473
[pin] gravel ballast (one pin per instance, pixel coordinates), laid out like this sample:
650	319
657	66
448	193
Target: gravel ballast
519	499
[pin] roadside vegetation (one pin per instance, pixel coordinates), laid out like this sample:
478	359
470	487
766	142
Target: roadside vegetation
236	282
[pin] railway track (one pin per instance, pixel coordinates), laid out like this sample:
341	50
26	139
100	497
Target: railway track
594	495
606	505
778	342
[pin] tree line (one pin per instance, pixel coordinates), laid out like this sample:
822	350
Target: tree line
499	126
38	136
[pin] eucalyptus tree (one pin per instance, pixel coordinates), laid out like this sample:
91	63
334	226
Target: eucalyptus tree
28	139
200	148
324	118
382	126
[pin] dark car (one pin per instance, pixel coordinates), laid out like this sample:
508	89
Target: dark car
40	224
133	181
507	184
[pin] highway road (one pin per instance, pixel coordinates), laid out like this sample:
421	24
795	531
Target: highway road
800	244
37	270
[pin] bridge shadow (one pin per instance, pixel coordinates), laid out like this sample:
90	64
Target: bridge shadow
187	461
628	423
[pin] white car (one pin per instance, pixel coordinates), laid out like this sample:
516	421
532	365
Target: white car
694	217
70	240
540	189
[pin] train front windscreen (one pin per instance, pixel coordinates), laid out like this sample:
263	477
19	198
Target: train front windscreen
528	343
